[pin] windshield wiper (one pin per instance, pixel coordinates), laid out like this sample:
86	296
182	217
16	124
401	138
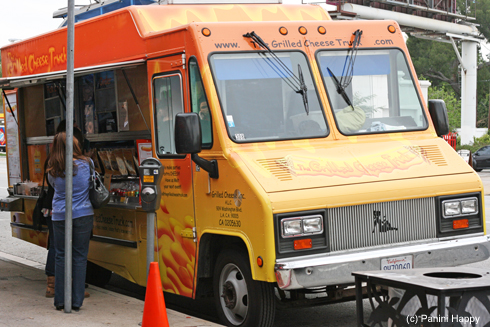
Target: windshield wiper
340	89
346	78
348	73
303	90
296	83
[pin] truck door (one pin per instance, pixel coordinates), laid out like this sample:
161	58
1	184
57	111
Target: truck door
175	247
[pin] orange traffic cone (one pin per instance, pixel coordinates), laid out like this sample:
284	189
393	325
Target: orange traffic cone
154	312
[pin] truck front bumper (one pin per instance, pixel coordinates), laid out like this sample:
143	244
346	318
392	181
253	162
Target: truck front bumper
334	269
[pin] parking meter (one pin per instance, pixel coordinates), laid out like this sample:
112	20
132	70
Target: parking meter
151	173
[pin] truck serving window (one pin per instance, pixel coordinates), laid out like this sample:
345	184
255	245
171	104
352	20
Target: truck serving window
98	100
167	103
259	97
52	106
382	92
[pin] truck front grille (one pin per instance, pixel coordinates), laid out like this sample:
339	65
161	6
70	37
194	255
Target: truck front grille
378	224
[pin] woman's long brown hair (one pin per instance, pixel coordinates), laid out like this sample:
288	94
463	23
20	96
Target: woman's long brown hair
56	163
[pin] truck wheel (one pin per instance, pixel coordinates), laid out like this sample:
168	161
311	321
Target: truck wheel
240	300
96	275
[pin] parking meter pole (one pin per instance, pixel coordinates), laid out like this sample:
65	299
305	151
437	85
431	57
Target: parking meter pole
151	173
150	239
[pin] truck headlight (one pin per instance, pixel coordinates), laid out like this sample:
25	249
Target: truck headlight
292	227
452	208
300	226
459	214
460	207
469	206
313	225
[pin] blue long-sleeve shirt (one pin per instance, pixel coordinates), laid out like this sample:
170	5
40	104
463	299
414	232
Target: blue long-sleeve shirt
81	205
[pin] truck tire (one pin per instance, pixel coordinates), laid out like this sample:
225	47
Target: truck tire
241	301
96	275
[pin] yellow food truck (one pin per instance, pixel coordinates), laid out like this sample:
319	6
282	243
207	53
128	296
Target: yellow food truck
296	149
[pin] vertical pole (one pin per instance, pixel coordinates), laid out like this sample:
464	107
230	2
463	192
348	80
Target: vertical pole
441	306
359	308
468	91
150	239
488	118
69	154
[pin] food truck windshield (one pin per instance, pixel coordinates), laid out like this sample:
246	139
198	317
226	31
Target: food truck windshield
261	98
381	90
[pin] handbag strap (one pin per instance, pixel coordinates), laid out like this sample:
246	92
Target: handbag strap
91	164
92	174
44	176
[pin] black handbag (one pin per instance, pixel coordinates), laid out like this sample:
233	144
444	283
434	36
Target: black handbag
45	201
98	194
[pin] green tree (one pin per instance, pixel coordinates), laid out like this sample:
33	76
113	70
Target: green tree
438	63
453	104
480	10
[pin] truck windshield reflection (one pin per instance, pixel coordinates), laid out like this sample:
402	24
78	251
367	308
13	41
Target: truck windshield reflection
258	101
383	93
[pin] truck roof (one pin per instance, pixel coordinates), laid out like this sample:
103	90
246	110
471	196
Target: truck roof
123	35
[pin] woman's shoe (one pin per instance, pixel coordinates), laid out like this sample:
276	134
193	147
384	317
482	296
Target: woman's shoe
50	287
76	309
87	294
59	307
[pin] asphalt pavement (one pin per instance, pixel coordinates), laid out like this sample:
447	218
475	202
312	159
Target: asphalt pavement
22	302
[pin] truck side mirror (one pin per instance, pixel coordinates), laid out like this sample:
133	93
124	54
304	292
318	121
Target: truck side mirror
188	140
438	113
187	133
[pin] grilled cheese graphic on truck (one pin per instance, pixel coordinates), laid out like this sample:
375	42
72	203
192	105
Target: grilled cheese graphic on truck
296	149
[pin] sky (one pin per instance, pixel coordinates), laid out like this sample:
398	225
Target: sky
22	19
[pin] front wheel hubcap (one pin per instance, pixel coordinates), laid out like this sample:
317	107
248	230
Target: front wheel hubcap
229	295
233	294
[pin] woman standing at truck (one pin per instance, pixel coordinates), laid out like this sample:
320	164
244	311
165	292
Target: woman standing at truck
47	207
82	214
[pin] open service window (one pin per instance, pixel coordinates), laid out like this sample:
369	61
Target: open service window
53	106
103	104
98	100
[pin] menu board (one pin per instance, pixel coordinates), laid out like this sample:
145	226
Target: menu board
13	144
37	155
144	149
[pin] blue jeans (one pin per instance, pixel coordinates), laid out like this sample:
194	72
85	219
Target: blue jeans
50	260
80	240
